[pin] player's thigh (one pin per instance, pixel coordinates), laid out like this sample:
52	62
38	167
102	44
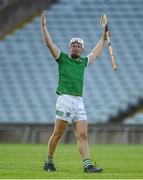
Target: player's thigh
80	128
60	126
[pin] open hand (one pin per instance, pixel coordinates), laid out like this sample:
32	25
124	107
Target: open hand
43	17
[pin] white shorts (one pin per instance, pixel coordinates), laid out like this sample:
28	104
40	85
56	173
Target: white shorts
70	108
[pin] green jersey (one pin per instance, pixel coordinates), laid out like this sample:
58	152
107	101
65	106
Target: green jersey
71	73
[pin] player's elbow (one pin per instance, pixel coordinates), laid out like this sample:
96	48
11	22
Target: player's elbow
48	42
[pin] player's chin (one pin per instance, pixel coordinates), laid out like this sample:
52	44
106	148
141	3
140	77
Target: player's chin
75	55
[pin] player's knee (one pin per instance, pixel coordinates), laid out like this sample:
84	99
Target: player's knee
82	136
57	135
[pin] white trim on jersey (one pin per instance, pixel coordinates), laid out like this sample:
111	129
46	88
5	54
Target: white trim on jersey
58	55
88	60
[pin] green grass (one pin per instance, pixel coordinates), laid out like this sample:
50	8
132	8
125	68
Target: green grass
26	161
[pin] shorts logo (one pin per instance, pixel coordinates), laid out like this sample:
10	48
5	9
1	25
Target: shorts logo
67	114
60	113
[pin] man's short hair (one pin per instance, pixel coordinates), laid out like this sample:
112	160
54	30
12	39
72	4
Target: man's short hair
78	40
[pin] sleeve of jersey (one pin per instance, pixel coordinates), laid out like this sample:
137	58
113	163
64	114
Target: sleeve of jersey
60	58
86	61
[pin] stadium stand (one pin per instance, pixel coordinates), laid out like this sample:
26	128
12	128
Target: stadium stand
28	75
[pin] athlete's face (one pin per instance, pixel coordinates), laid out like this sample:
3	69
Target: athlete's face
76	50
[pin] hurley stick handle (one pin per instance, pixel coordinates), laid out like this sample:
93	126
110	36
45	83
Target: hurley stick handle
113	60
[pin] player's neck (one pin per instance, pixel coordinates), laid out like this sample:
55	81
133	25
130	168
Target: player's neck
74	56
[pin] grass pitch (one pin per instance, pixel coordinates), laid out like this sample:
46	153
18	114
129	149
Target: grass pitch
19	161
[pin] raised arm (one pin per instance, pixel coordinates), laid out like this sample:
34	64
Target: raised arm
97	49
47	38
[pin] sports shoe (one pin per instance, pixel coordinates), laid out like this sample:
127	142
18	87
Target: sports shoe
49	167
92	169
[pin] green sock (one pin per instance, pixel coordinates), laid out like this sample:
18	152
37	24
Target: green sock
49	160
86	162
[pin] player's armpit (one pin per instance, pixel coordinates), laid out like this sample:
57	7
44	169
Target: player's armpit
58	59
91	58
54	50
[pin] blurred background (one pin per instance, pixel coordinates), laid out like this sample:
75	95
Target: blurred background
29	76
